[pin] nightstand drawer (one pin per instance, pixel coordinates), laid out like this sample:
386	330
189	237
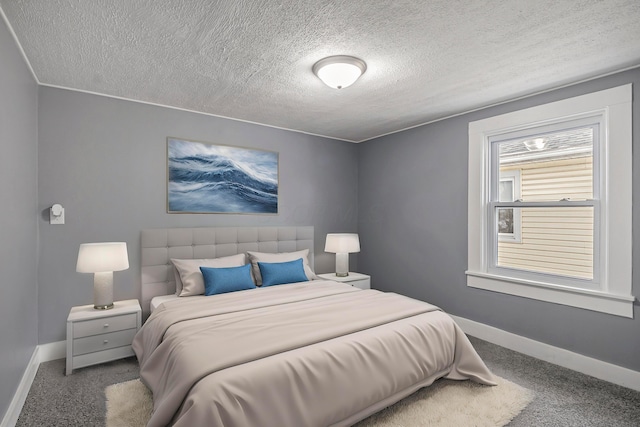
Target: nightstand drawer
107	324
103	341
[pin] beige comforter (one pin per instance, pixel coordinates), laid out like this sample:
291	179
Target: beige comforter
311	354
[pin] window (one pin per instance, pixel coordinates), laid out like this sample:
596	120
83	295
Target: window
550	202
554	205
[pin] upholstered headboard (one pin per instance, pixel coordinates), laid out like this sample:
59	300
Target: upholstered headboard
162	244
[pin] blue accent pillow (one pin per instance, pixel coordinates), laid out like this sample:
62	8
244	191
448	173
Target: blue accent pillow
226	279
280	273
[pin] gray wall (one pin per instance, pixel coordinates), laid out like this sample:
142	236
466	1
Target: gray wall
104	160
413	227
18	226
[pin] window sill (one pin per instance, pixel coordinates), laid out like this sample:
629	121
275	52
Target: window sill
604	302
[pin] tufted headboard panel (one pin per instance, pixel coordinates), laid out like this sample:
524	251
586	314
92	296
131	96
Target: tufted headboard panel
162	244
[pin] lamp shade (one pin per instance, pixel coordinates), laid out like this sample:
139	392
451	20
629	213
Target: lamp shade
100	257
342	243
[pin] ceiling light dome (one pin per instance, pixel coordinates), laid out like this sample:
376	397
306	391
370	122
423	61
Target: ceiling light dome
339	71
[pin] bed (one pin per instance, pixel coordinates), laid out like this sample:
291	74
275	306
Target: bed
311	353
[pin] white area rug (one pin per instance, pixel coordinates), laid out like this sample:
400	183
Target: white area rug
446	403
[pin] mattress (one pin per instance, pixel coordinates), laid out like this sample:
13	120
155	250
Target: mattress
316	353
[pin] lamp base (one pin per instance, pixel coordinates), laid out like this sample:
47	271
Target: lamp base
103	290
342	264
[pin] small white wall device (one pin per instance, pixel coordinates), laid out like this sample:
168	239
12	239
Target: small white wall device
56	214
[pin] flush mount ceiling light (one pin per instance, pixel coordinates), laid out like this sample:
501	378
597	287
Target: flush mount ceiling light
536	144
339	71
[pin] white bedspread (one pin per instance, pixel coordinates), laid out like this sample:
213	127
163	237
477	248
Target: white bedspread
310	354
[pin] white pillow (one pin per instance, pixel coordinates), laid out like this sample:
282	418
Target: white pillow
176	276
191	276
256	257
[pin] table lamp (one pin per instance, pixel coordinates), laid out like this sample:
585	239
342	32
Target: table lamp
342	244
102	259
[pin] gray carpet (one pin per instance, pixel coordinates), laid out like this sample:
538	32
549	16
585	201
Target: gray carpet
563	397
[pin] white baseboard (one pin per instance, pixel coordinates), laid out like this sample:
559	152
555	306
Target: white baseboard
42	353
53	351
558	356
13	411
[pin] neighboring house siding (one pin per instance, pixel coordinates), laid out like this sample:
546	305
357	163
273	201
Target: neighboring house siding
553	240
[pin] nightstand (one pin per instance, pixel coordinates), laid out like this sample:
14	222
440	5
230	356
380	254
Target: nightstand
97	336
358	280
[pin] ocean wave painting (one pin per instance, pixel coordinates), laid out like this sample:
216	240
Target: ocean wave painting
206	178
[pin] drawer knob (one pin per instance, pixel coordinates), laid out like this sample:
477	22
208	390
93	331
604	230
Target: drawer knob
106	325
106	342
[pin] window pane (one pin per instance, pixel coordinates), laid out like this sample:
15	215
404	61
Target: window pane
555	240
552	166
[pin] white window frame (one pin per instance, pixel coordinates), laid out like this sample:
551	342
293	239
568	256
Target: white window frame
516	236
594	120
613	294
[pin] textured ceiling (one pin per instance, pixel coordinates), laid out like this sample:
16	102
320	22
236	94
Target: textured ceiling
251	60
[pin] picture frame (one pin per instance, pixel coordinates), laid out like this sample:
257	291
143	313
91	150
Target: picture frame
213	178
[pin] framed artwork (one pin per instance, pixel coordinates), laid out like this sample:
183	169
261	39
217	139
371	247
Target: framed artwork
210	178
